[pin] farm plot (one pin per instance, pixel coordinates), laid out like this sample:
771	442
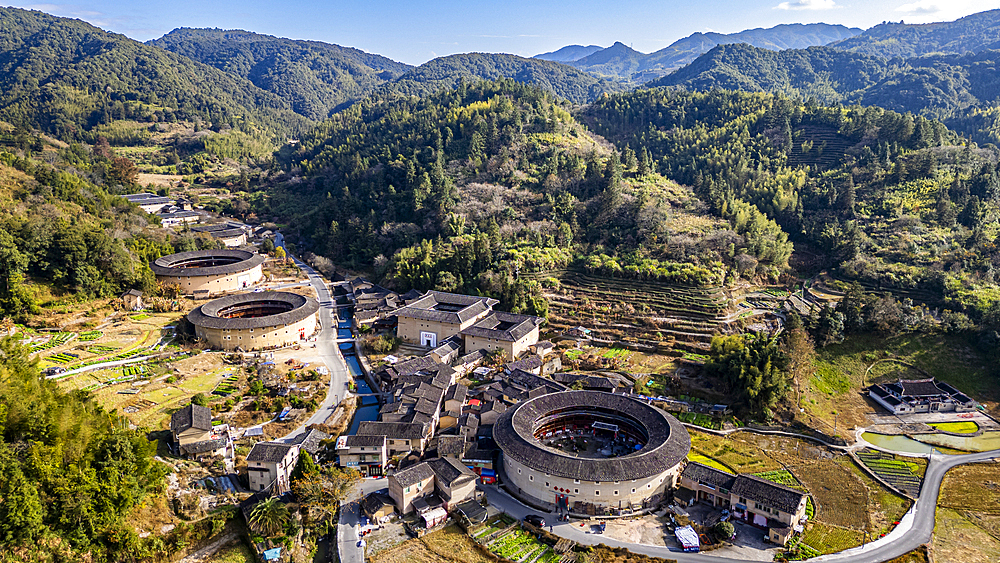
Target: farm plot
100	349
519	545
698	419
90	335
227	386
449	544
58	339
63	358
902	475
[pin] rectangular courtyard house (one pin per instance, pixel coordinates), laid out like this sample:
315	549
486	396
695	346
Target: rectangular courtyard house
150	203
227	233
270	464
755	500
401	437
191	429
431	484
908	396
367	454
436	316
506	332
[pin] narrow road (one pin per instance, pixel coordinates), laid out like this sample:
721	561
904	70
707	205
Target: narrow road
915	528
326	347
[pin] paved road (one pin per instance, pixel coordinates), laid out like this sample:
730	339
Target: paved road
914	530
350	514
326	347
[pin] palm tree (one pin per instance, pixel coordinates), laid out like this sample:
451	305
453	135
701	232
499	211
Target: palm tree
269	517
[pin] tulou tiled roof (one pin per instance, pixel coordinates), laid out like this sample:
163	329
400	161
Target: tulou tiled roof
207	315
667	440
702	473
446	307
169	265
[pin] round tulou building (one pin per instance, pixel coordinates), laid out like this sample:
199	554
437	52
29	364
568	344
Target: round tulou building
255	321
207	272
590	451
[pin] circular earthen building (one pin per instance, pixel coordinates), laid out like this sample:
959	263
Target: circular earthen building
590	450
208	272
255	321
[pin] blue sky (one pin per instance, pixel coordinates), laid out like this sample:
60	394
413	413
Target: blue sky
414	31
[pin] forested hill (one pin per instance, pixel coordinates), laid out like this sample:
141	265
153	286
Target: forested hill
314	77
446	72
959	89
890	200
973	33
569	53
623	63
66	77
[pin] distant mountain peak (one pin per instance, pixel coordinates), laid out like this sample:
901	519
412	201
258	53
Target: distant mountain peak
569	53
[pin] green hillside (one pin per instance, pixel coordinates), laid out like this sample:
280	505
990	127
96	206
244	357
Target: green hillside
446	72
67	77
959	89
972	33
314	77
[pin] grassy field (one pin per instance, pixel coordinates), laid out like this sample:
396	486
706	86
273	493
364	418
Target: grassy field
963	427
448	544
958	539
708	461
884	507
974	487
236	553
841	499
843	369
830	539
735	452
604	554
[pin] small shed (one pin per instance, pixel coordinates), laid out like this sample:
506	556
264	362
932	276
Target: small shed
132	299
378	506
434	516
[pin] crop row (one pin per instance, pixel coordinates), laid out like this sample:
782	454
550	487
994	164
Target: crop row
133	370
57	339
63	358
781	477
101	349
90	335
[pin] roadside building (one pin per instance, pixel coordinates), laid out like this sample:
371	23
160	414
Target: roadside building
191	429
367	454
505	332
438	482
270	464
401	437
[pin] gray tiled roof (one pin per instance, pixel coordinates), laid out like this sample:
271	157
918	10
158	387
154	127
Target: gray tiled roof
451	445
191	416
413	474
311	440
392	430
204	446
207	315
168	265
920	387
667	444
508	327
271	452
701	473
450	472
765	492
446	307
365	441
457	392
375	501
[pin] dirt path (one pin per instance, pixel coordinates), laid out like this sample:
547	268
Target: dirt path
212	548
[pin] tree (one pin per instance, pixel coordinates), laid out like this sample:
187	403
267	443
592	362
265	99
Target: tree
798	347
279	253
724	531
122	172
269	517
752	370
199	399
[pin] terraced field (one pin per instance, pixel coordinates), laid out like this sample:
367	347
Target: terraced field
643	309
900	474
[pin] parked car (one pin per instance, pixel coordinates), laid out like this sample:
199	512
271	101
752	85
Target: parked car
725	516
535	520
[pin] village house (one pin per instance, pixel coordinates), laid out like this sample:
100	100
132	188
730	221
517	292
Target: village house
755	500
444	478
504	332
402	437
271	464
150	203
367	454
436	316
908	396
452	447
192	431
132	299
230	234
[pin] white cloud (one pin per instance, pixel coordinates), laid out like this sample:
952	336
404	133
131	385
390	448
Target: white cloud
807	5
926	11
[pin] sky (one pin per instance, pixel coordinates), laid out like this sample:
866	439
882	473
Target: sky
415	31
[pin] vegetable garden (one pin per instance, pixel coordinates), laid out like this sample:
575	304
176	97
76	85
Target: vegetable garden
900	474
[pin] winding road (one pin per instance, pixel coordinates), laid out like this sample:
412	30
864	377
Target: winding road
914	530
